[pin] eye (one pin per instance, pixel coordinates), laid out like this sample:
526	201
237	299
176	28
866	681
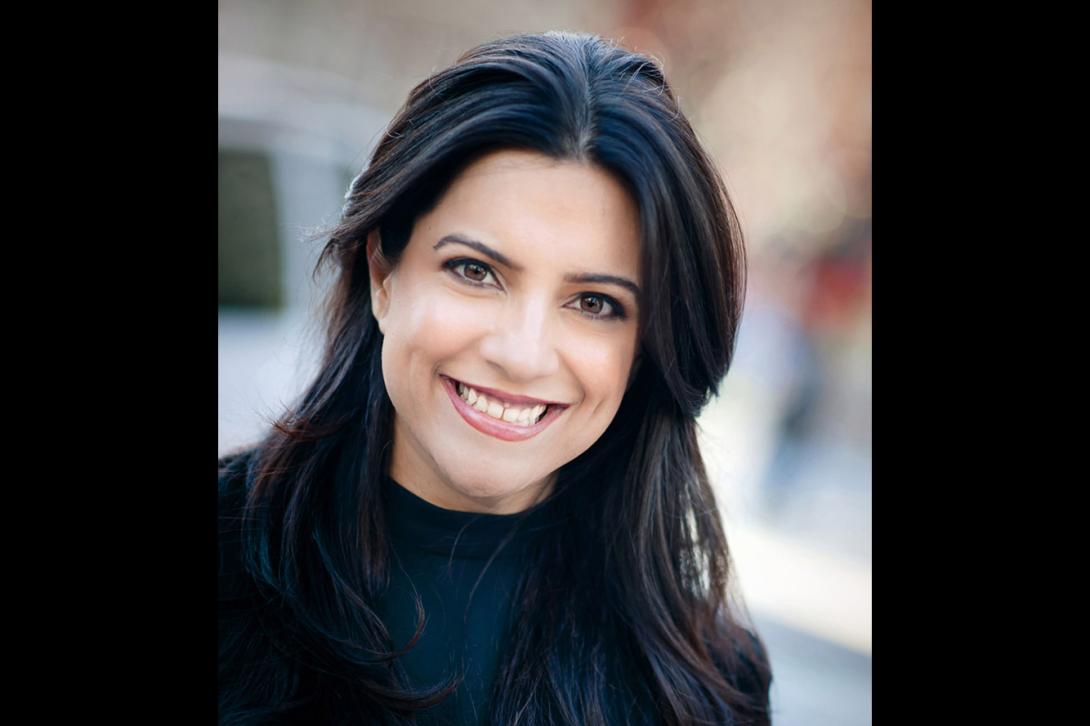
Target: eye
474	273
591	305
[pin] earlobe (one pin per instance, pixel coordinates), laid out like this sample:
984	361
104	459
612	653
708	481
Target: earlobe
378	273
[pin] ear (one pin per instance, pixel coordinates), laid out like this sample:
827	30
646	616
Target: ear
379	271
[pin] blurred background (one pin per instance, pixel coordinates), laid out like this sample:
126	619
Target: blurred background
779	92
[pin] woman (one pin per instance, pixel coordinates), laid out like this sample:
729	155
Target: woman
489	506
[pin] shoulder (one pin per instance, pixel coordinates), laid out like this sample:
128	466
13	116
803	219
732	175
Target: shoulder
755	677
745	665
234	476
233	481
233	471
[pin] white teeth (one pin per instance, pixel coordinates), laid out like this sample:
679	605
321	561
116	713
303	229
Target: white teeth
523	416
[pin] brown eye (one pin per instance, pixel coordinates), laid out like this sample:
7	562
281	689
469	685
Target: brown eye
595	306
600	307
472	270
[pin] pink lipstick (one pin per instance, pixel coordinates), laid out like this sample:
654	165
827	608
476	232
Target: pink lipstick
495	427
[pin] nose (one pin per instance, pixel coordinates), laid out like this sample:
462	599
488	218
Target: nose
521	344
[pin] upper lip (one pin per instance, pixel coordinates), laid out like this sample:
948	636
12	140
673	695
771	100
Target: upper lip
507	397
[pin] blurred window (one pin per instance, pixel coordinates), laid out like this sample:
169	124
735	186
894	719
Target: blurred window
249	247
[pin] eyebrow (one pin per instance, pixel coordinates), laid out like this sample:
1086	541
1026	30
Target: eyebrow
496	255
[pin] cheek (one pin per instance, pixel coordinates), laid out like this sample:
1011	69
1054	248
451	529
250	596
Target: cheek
603	365
434	323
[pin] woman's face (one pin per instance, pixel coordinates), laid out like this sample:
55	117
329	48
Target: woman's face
524	321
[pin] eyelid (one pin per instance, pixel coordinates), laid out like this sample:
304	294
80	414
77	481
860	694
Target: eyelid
618	310
456	262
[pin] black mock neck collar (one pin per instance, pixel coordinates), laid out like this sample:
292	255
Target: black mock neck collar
418	524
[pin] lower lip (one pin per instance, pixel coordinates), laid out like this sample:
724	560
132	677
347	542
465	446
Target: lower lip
495	427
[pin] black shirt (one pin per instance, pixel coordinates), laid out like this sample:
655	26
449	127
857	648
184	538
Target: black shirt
443	556
465	579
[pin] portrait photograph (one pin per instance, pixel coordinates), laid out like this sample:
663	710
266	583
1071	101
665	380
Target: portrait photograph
544	362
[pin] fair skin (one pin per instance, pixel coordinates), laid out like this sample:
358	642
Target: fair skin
526	328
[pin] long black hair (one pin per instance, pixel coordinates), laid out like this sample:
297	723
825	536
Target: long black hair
632	597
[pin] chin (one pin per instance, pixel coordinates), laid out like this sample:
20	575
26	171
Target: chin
494	487
483	489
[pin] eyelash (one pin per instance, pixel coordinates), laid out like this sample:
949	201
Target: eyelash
618	309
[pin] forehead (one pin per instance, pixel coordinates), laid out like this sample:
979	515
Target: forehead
533	206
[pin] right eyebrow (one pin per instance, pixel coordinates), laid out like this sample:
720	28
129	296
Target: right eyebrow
480	247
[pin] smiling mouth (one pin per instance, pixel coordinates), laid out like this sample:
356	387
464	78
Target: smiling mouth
510	421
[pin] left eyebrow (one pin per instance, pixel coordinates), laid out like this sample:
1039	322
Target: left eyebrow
577	277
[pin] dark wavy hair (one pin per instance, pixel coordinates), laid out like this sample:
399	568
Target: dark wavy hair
633	596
